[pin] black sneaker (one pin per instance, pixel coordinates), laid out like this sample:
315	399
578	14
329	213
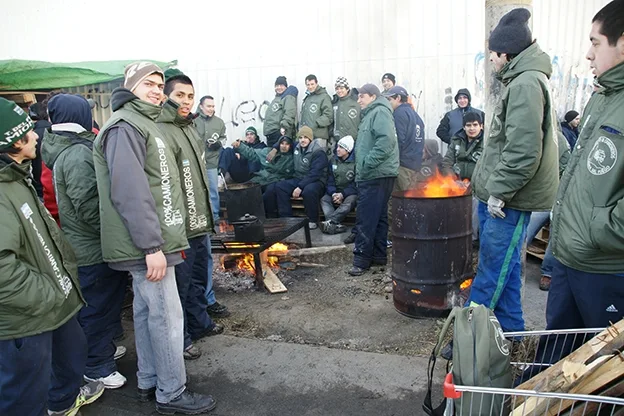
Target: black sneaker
447	351
188	403
340	229
215	330
350	239
216	310
146	395
357	271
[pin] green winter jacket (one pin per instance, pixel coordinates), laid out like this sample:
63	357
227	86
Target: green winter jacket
346	116
163	179
212	134
317	113
281	167
519	161
281	113
462	156
564	152
39	287
70	156
587	231
377	148
186	146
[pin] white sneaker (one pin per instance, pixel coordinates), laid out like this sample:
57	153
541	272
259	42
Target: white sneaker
119	352
112	381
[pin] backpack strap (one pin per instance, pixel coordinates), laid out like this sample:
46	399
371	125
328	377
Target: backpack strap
427	405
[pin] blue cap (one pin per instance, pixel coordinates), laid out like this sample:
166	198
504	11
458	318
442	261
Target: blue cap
396	90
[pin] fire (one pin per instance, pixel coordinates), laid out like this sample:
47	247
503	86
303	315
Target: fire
245	261
465	284
225	227
440	186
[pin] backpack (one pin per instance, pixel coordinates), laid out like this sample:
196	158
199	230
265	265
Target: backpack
481	357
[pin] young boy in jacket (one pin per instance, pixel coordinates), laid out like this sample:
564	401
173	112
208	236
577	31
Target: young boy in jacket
341	194
143	231
43	350
68	151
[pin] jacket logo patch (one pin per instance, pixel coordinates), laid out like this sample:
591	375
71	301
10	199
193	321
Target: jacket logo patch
26	210
275	107
496	126
499	336
418	132
213	139
350	175
602	156
313	108
352	113
296	152
426	171
306	161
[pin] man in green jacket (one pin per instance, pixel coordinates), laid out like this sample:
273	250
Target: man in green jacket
68	151
376	167
316	110
518	170
280	168
42	347
346	113
281	115
143	231
176	123
587	230
211	131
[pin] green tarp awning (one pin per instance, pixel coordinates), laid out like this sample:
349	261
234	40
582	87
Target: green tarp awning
20	75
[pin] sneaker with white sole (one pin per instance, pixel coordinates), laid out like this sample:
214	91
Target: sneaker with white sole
112	381
88	394
120	352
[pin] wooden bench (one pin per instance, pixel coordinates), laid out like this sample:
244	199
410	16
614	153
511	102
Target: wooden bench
537	247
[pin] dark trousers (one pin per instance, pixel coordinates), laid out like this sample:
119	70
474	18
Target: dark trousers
371	222
42	371
311	194
273	138
577	300
104	289
191	281
237	168
269	197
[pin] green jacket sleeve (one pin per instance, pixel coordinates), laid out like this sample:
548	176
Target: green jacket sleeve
81	187
522	151
327	112
18	281
290	112
449	160
383	136
248	153
222	136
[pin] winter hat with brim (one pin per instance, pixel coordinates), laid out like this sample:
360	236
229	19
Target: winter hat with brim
68	108
305	131
341	82
571	115
251	129
512	34
14	123
136	72
347	143
370	89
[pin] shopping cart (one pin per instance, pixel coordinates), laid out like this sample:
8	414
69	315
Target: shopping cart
532	352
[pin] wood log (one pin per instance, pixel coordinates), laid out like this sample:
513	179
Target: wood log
315	250
594	364
616	390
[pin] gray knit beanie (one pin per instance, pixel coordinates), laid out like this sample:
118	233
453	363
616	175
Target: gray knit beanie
512	34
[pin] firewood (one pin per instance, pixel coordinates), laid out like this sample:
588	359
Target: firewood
315	250
616	390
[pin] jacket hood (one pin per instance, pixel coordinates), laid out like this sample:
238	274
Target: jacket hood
379	102
612	80
350	158
530	59
122	96
319	90
464	91
432	148
312	147
55	143
68	108
290	90
10	171
170	114
289	140
353	93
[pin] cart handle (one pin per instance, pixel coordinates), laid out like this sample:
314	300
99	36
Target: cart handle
449	388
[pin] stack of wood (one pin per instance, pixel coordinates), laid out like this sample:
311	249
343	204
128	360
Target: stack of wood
596	368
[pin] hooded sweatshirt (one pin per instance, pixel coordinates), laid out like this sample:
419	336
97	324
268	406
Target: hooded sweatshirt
317	112
282	112
410	130
281	167
453	121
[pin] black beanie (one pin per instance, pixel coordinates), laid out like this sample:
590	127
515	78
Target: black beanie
390	76
281	80
570	115
512	34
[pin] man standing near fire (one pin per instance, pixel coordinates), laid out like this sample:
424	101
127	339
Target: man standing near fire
518	171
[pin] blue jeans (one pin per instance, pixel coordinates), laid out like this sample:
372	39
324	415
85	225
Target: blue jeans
371	222
475	219
42	371
549	261
497	283
209	294
538	220
159	335
104	289
191	283
213	189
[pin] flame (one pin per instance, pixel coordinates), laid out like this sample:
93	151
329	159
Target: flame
245	261
440	186
465	284
225	227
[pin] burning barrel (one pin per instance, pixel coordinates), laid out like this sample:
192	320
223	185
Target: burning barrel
432	247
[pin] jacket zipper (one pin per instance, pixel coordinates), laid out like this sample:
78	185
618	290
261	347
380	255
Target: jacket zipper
474	347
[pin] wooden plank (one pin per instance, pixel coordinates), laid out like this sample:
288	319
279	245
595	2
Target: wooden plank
271	281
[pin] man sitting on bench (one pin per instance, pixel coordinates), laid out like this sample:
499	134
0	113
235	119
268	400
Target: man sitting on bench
239	167
309	181
341	195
